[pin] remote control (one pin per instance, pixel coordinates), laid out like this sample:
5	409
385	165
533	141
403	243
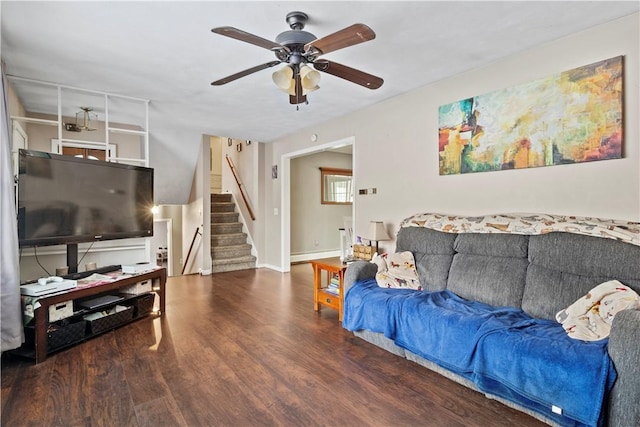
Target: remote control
44	280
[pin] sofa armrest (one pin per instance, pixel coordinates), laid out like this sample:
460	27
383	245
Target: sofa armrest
359	270
624	350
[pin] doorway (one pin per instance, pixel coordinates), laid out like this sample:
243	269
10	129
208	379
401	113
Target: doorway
285	217
162	245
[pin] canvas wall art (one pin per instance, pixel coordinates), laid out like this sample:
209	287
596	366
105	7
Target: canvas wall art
570	117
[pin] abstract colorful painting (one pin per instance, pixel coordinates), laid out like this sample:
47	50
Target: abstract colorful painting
571	117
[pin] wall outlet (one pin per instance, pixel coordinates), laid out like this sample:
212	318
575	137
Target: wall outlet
362	191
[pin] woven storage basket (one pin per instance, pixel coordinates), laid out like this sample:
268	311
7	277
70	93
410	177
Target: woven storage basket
111	321
60	335
143	305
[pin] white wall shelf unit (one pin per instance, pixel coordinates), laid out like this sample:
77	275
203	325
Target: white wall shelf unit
119	112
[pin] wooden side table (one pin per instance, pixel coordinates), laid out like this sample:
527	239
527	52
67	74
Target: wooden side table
321	295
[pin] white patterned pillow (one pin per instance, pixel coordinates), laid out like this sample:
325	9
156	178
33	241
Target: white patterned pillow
590	317
397	270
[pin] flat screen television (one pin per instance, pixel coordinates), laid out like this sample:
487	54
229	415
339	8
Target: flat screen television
69	200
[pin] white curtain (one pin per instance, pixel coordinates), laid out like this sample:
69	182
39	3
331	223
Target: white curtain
11	330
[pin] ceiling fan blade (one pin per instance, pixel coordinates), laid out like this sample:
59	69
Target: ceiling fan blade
355	76
237	34
244	73
357	33
298	98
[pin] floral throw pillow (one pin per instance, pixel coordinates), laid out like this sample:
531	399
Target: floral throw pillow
397	270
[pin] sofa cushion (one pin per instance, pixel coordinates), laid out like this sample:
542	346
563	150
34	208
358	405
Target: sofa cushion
565	266
490	268
498	245
433	254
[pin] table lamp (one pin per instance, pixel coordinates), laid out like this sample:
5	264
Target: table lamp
377	232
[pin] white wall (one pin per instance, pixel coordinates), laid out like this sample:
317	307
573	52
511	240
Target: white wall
113	252
215	142
397	144
173	213
197	213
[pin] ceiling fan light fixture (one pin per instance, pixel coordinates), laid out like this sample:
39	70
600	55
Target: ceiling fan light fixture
86	115
283	78
309	78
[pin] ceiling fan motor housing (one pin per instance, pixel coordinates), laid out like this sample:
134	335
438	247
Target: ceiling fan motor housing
295	39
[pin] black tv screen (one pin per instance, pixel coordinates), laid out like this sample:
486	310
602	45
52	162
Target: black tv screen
65	199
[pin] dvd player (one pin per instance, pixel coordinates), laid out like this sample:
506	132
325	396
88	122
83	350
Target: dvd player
36	289
99	301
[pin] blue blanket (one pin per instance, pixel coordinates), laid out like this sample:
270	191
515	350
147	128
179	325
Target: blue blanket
504	351
425	325
537	359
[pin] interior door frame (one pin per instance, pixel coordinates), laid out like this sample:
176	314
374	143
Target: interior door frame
285	197
19	139
168	223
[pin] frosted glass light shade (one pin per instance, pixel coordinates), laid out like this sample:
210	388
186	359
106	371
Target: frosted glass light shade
283	78
309	78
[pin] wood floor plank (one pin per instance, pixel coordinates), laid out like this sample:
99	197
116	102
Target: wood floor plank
238	349
160	412
26	403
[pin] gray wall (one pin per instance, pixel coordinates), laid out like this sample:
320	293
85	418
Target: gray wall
312	221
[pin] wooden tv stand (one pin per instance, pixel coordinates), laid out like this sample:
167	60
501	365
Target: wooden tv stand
158	279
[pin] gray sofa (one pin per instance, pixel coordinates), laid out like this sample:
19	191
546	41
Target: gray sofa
540	274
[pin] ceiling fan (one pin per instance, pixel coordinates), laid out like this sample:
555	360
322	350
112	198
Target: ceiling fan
299	49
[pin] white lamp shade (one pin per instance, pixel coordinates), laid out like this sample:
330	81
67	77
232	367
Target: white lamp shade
309	78
283	78
377	231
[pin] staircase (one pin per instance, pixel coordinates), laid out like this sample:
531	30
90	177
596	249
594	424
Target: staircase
229	248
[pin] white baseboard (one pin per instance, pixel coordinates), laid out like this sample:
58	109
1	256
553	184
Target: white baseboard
271	267
314	255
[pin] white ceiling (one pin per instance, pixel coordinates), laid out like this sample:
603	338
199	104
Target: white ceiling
165	51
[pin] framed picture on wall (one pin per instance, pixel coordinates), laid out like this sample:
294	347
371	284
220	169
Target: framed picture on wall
570	117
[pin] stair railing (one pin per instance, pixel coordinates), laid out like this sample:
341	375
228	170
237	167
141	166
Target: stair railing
241	187
186	261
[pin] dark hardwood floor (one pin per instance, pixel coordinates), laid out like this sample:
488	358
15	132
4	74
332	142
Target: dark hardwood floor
238	349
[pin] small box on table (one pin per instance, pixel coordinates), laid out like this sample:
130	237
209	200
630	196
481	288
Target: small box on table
141	287
363	252
60	311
